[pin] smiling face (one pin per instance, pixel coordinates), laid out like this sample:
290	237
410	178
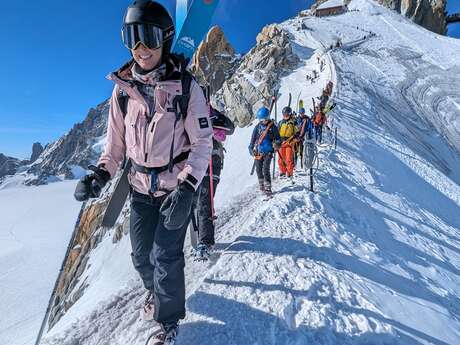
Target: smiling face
147	58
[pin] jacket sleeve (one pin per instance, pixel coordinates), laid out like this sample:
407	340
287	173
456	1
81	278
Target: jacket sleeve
253	138
276	135
199	130
114	151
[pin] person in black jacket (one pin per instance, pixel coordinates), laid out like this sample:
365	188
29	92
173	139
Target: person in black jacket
222	126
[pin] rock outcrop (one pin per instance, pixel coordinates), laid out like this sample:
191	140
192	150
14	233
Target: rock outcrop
431	14
37	150
78	148
215	60
256	78
8	165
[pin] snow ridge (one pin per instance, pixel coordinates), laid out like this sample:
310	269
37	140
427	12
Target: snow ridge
371	257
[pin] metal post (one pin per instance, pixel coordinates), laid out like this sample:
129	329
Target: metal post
335	139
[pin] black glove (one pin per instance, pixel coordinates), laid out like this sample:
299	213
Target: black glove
90	186
177	206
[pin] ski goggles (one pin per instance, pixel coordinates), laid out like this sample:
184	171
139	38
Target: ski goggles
149	35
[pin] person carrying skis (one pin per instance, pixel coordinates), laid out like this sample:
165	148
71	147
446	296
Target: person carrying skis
288	131
329	88
306	126
168	149
265	140
324	98
319	119
302	124
222	126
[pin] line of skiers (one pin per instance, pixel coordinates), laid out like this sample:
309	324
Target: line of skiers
286	138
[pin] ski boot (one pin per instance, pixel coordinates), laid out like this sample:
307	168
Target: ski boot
203	252
268	191
262	186
148	309
165	335
282	175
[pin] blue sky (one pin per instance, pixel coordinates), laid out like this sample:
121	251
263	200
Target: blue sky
55	56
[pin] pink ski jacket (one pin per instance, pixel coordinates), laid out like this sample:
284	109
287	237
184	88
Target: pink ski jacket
148	143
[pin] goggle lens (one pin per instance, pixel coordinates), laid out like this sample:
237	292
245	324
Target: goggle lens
149	35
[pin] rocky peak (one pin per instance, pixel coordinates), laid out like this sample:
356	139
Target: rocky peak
37	150
76	148
431	14
215	59
256	78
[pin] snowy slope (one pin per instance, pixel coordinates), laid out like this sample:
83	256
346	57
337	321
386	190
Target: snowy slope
35	226
371	258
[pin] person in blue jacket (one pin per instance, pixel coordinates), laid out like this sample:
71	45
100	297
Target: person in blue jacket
306	126
265	140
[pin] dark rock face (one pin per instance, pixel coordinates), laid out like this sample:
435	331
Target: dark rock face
8	165
431	14
256	78
37	150
76	148
215	60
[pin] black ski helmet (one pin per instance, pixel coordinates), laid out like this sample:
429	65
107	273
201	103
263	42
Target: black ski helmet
153	13
287	110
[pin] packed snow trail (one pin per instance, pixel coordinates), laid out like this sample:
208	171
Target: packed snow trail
370	258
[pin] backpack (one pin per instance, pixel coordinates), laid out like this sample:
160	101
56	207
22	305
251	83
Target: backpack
287	129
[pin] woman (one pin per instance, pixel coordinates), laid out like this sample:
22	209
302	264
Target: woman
169	153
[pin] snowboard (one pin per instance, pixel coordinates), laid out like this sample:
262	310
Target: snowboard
194	28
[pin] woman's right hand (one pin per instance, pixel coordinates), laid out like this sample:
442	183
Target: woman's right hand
90	186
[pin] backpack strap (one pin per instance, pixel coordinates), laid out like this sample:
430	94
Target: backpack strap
122	98
180	105
264	134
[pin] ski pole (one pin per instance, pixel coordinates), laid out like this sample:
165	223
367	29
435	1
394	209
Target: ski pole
211	187
253	167
335	139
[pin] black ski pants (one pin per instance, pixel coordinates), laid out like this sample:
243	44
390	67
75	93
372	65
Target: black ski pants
263	168
206	230
319	133
157	254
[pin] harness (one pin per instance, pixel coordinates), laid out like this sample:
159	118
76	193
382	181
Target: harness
259	156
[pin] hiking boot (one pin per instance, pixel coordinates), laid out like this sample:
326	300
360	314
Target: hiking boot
261	185
165	335
268	190
282	175
148	308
